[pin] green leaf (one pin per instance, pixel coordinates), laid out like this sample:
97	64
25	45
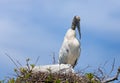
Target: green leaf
32	65
57	81
11	80
89	76
27	75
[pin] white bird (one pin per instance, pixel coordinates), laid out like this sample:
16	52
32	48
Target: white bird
70	49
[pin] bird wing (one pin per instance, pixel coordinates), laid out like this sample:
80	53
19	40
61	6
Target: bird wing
75	63
69	52
63	53
74	47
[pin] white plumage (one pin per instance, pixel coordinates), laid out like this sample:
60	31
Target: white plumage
70	49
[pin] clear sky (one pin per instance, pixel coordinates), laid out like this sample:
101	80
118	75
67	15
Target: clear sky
32	28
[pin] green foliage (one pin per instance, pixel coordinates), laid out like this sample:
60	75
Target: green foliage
91	78
12	80
57	81
32	65
67	81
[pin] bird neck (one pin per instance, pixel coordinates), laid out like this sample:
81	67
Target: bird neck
70	34
73	26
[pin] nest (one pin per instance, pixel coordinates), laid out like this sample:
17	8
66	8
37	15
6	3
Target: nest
46	77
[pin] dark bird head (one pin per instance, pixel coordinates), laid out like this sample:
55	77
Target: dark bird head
76	23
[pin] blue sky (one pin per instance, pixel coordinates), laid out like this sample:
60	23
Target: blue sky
36	28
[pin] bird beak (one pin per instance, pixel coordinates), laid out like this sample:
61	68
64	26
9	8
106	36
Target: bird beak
78	27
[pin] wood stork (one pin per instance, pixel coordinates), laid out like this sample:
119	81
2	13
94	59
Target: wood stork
70	49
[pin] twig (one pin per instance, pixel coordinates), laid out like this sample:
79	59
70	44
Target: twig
112	66
85	68
37	60
82	71
53	57
105	63
19	63
27	60
97	77
101	72
113	78
12	60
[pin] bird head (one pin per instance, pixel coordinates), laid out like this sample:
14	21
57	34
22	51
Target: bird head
76	23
